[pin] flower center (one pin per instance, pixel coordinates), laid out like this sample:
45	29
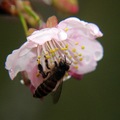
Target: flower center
54	51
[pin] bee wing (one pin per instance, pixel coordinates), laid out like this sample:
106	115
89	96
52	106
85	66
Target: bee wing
57	92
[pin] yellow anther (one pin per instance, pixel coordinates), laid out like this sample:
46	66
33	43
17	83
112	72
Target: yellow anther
66	29
70	57
52	50
47	56
66	53
80	54
38	61
82	47
56	49
46	53
76	67
74	50
75	62
81	59
66	45
76	43
64	48
39	57
53	54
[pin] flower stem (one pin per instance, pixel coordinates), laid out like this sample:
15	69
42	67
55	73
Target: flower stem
31	13
23	22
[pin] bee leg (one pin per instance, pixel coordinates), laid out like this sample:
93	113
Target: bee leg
46	62
44	75
65	58
56	65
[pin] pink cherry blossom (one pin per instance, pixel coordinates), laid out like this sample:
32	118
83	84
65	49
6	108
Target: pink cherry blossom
71	38
86	50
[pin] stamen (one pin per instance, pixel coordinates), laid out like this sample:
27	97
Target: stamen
81	59
47	56
66	29
53	54
54	44
66	45
80	54
70	57
48	46
76	67
56	49
38	59
82	47
46	53
52	50
66	53
64	48
75	62
74	50
38	50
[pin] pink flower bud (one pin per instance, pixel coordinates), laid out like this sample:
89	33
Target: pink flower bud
68	6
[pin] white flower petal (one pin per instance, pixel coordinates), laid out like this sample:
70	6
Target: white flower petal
62	35
89	29
47	34
17	62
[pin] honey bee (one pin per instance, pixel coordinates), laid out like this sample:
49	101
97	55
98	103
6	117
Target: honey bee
53	80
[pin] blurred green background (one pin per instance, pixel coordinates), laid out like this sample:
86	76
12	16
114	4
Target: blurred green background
95	97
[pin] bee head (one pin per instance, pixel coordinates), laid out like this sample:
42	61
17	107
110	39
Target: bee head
64	65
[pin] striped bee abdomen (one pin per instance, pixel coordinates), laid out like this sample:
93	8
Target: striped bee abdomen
45	88
51	77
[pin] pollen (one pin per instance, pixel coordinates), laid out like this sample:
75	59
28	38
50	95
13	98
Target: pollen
80	54
74	50
56	49
83	47
64	48
38	59
81	59
75	62
76	67
47	56
52	50
53	54
66	45
46	53
66	29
